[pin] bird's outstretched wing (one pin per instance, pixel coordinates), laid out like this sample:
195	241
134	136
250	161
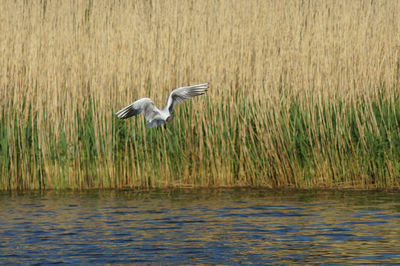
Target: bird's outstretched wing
181	94
144	106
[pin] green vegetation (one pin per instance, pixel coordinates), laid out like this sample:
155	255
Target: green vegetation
332	145
302	95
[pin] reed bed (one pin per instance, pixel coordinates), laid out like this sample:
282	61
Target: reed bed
302	94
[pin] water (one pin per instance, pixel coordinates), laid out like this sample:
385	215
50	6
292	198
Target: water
200	226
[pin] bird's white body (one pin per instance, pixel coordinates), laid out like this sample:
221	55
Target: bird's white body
155	116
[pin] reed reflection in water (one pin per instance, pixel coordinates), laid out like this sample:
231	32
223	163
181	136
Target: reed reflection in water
200	226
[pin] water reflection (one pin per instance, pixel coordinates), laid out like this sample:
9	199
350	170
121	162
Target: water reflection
200	226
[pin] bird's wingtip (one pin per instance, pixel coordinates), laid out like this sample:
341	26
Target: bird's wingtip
119	114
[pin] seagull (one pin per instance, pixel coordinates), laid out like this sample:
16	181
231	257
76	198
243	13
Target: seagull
156	117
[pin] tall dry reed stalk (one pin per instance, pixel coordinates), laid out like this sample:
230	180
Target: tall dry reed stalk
302	93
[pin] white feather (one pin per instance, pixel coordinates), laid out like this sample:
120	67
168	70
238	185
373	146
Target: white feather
155	116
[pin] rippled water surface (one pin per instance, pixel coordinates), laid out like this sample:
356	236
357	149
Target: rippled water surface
200	226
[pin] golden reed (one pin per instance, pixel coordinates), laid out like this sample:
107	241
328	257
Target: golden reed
302	93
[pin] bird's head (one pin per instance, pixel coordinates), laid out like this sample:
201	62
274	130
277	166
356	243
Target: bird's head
169	119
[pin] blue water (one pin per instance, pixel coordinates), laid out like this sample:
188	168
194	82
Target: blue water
200	226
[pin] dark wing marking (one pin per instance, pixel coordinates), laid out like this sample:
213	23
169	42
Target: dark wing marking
144	106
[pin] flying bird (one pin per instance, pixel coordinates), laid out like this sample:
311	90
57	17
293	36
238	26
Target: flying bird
156	117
